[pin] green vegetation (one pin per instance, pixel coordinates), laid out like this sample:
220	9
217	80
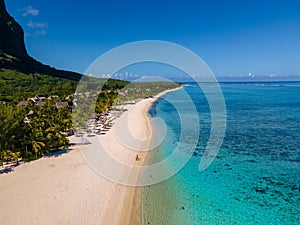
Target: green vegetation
16	86
35	129
89	102
30	131
138	90
6	57
132	91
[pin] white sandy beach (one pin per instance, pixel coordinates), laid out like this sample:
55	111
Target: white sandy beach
65	190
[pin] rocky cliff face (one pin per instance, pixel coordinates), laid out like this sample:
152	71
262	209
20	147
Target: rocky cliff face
13	54
12	34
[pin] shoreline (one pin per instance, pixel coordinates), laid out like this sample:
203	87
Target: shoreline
137	200
63	189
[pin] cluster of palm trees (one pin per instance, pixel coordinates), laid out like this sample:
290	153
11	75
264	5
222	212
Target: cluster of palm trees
31	131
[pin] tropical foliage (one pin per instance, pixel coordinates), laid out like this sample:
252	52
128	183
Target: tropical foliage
16	86
30	131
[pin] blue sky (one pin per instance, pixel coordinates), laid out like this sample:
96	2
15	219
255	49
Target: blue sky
232	37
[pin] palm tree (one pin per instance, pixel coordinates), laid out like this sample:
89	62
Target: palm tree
16	156
5	155
37	146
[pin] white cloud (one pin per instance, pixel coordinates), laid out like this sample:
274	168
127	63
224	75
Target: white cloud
36	33
31	11
37	25
155	78
251	75
105	75
40	32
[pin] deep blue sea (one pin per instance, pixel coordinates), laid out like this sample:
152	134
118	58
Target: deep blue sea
255	178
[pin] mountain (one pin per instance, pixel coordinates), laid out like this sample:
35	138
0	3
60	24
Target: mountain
13	53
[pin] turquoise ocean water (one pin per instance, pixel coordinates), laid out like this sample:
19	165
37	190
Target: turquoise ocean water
255	178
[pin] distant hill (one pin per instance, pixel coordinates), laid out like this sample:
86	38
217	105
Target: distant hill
13	53
21	76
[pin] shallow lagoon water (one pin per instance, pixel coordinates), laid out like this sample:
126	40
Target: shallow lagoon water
255	176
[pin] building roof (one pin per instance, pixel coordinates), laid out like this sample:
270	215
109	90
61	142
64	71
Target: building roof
61	104
23	103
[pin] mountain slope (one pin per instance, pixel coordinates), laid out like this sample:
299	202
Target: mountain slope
13	54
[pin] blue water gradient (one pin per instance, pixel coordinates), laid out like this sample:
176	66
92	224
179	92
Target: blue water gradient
255	177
